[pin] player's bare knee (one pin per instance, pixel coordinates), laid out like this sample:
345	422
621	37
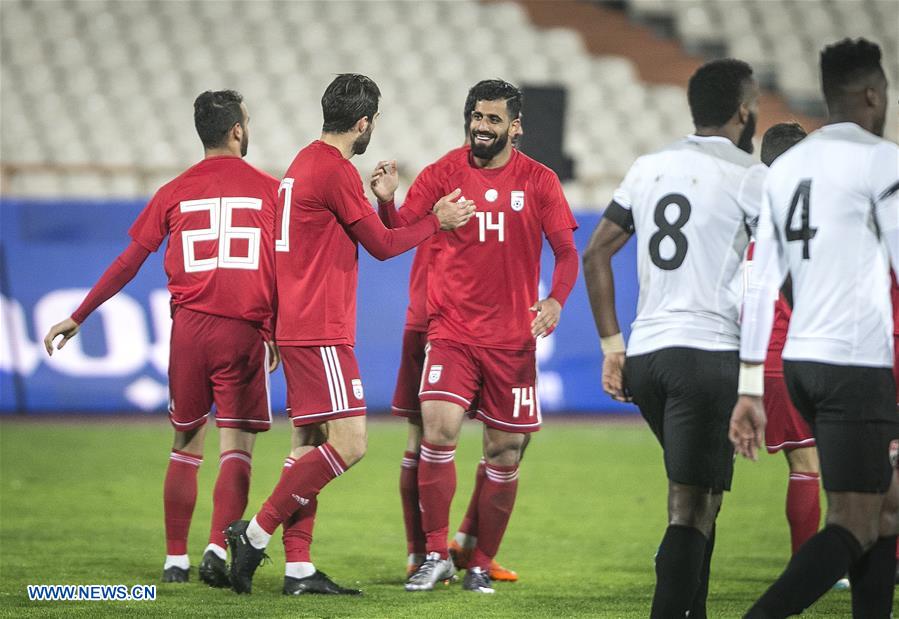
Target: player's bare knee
858	513
413	441
803	460
503	448
692	506
349	437
889	513
233	438
191	440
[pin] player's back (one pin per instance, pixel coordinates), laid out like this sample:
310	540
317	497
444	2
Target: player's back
691	204
821	195
321	196
219	216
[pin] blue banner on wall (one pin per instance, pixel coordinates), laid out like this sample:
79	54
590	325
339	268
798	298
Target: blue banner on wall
53	251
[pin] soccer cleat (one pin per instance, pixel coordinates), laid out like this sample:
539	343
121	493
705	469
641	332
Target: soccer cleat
214	570
433	570
477	580
175	574
245	558
317	583
461	557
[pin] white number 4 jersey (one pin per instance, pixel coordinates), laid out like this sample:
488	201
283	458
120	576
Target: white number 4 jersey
830	217
690	205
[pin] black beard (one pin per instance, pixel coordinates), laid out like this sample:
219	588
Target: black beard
361	143
244	145
745	141
482	151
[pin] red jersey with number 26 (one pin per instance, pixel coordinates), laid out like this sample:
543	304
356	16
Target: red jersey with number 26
317	260
219	216
484	276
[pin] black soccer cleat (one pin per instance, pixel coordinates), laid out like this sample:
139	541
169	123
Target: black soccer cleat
214	570
175	574
477	580
317	583
245	558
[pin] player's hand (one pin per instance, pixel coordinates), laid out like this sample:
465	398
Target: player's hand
548	313
453	214
274	356
384	180
613	376
68	329
747	426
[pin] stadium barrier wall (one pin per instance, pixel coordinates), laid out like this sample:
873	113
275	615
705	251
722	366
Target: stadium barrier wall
51	253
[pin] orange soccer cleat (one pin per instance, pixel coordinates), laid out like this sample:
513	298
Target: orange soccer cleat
461	557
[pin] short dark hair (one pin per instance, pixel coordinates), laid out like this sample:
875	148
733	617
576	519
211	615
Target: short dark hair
779	138
846	62
215	112
494	90
348	98
716	90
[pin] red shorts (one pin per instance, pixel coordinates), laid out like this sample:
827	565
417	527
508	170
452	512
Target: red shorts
323	383
786	428
408	380
503	381
222	361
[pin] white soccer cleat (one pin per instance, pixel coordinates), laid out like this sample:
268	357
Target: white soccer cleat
433	570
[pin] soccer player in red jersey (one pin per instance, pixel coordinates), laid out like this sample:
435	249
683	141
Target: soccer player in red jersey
405	398
787	431
483	317
219	217
322	217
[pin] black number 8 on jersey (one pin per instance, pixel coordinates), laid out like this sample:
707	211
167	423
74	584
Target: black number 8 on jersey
671	230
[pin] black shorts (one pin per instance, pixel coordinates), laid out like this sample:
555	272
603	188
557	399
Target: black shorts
686	396
853	417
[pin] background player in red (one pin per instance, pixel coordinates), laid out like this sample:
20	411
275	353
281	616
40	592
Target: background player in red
322	216
384	182
787	431
219	218
482	295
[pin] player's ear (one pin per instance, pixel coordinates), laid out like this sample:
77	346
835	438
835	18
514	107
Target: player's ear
515	127
743	113
872	97
237	132
362	124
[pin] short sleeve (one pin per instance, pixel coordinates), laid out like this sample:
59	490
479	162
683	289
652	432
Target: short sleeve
749	195
151	226
424	193
884	187
345	196
555	212
626	194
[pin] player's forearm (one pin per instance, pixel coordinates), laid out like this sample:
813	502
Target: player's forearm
566	267
120	272
600	281
383	243
388	215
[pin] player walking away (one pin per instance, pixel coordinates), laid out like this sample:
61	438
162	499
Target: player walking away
482	295
219	217
405	397
830	217
689	205
323	216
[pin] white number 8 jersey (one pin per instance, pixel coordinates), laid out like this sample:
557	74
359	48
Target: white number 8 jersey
690	206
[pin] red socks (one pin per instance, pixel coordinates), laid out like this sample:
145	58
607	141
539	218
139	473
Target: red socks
299	485
229	499
415	536
179	498
803	507
297	530
497	497
436	487
469	524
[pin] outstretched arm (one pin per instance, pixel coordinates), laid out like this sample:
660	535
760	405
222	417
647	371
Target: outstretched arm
119	273
608	238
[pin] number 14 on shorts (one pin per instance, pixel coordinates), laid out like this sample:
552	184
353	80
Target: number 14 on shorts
524	398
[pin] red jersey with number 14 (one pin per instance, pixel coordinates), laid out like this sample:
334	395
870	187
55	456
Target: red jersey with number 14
484	276
317	260
219	216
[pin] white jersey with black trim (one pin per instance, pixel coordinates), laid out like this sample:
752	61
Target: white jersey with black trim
830	217
691	205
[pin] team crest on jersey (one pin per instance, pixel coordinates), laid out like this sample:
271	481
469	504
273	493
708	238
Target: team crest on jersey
357	388
434	374
517	200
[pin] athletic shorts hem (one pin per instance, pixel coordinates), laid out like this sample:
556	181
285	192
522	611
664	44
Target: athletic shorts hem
397	411
496	424
444	396
256	425
189	425
305	420
773	449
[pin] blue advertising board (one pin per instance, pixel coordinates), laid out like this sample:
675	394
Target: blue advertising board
52	252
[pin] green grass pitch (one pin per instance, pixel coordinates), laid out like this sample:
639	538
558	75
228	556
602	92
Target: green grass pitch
81	502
